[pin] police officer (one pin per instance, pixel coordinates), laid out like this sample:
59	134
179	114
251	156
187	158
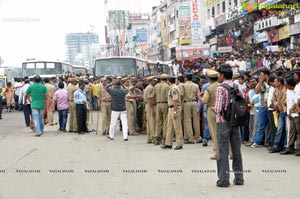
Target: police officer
89	96
174	116
208	98
149	106
51	90
161	91
191	117
72	107
104	102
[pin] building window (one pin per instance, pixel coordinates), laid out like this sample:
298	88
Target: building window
218	9
213	11
223	7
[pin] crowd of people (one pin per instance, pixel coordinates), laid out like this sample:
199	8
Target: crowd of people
186	106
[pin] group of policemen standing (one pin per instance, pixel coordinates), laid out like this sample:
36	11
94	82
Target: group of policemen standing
171	107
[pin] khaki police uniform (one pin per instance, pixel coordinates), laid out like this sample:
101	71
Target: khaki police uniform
151	122
131	111
209	99
190	116
72	107
50	112
105	104
174	124
161	91
88	91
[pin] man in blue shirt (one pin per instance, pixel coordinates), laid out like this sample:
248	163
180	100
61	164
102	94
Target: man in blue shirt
81	108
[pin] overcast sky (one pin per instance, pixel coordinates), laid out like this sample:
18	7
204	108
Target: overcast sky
36	28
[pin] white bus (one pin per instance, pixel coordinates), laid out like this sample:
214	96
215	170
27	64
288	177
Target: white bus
157	67
46	69
120	66
82	70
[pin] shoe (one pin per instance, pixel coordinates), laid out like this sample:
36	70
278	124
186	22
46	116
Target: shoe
219	184
297	153
125	139
204	143
81	132
88	131
238	182
178	148
156	142
274	150
110	138
266	144
104	133
149	142
248	144
166	147
64	130
287	152
214	157
38	135
198	141
71	131
254	145
189	142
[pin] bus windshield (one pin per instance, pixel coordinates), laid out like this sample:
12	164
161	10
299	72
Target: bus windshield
41	68
115	67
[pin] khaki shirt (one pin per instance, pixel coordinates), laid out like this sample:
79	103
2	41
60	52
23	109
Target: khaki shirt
71	89
88	91
148	94
161	91
103	94
210	94
191	92
173	95
51	90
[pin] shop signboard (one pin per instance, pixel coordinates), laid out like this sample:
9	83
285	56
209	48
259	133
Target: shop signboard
295	29
225	49
284	32
220	20
260	36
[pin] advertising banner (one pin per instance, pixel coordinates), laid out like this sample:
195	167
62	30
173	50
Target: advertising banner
195	21
184	23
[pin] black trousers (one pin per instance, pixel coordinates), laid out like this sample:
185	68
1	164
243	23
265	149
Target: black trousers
81	117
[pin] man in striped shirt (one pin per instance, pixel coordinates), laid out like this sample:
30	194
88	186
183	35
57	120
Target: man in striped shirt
226	134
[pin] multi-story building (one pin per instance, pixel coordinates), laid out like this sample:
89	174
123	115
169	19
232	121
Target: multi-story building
82	48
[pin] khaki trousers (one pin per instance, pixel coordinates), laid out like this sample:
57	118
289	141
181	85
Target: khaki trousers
72	118
131	116
212	126
106	116
174	125
151	122
50	111
161	121
191	121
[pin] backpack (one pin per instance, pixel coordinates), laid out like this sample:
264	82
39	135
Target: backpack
236	112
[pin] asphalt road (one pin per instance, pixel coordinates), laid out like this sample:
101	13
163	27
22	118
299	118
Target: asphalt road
66	165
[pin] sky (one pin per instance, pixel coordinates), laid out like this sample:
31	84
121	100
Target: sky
36	28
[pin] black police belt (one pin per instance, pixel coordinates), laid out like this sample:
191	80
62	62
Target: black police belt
172	106
161	102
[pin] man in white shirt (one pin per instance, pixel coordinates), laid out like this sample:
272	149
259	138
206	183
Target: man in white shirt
294	131
26	106
17	87
176	67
